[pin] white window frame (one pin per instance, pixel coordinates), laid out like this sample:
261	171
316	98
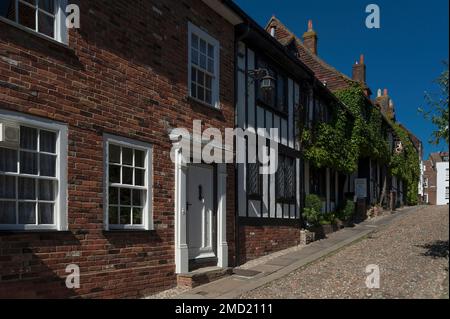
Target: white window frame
59	30
147	213
60	210
215	92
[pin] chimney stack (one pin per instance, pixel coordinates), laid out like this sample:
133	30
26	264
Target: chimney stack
359	71
310	38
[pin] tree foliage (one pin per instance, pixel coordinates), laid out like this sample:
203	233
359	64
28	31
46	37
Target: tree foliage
437	108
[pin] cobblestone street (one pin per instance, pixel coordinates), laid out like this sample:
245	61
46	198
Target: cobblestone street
411	252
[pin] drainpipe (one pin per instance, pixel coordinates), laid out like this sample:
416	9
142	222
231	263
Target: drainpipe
236	196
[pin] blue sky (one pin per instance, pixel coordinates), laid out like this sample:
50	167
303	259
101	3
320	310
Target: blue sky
404	55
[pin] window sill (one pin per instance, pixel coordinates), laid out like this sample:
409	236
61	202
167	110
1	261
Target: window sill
33	231
34	33
191	100
132	231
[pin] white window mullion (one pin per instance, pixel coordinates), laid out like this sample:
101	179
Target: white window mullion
17	199
37	16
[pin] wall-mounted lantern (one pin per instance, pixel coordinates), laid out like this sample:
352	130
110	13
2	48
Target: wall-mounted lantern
267	82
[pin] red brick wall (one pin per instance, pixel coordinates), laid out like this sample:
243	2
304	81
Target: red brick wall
431	174
257	241
124	73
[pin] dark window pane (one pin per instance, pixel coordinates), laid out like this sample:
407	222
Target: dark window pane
113	215
47	142
193	74
139	177
27	16
47	5
46	214
27	213
253	179
203	61
208	97
194	56
8	9
28	138
201	93
208	83
114	154
202	46
280	178
194	41
138	197
127	175
125	196
7	187
48	165
193	90
8	160
113	196
210	51
125	215
200	77
46	190
139	158
46	24
127	156
210	66
114	174
7	212
28	163
27	188
137	216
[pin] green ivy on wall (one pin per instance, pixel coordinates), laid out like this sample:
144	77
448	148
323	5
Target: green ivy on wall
406	165
340	143
368	130
331	144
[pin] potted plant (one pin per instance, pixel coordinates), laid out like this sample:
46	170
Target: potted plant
313	214
347	212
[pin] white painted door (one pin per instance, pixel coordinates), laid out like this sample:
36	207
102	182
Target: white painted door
200	216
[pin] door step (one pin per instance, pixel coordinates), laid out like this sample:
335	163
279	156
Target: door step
202	276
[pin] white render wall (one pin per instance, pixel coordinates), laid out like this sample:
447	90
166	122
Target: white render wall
441	183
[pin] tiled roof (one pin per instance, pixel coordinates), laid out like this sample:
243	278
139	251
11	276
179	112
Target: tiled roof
334	79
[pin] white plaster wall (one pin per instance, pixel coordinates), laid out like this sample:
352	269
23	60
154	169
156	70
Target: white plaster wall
441	183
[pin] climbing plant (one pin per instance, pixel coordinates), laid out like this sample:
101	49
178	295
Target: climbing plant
330	144
406	165
341	142
368	128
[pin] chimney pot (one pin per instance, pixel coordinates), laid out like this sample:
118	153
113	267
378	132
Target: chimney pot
385	92
359	71
379	93
310	38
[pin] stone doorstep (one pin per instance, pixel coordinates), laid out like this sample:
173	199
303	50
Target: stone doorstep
202	276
